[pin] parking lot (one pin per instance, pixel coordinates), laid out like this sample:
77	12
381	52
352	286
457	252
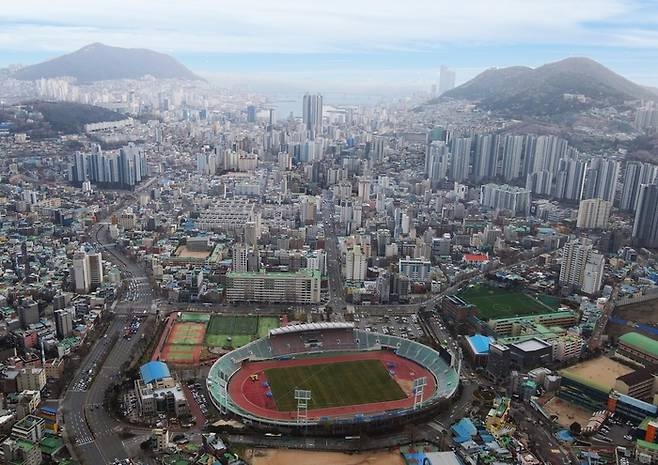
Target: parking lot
199	396
405	326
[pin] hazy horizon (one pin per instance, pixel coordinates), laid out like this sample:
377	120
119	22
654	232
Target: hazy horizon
344	46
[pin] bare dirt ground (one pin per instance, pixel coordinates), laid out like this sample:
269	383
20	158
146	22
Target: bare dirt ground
567	412
302	457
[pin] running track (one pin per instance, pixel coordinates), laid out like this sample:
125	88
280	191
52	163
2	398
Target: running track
249	395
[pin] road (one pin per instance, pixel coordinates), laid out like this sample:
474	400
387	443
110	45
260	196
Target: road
88	426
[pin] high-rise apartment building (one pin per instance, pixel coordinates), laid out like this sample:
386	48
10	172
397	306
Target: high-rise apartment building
594	214
63	323
356	264
636	174
505	197
437	162
512	157
601	179
124	169
645	226
460	161
582	266
569	179
81	276
485	156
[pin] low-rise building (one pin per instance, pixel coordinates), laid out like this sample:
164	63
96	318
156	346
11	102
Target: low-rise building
157	392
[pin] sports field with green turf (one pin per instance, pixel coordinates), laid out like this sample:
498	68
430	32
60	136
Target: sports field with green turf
333	384
237	330
497	303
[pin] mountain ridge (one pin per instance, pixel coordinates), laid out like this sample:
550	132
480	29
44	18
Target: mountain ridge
541	91
100	62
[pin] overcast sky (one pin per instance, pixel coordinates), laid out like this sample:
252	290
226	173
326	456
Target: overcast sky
361	42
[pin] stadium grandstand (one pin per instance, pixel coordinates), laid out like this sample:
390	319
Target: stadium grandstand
317	340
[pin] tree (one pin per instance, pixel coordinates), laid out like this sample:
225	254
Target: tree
575	428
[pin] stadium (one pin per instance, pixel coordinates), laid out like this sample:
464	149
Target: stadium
331	378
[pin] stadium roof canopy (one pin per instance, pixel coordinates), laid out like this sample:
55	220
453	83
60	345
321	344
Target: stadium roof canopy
154	371
310	327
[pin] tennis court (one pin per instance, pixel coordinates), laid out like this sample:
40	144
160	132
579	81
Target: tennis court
181	354
194	317
187	334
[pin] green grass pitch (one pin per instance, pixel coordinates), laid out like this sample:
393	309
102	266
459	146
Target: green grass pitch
233	325
334	384
497	303
237	330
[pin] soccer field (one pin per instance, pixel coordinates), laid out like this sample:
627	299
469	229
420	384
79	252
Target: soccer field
238	330
497	303
334	384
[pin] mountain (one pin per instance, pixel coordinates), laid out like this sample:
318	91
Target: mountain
98	62
522	91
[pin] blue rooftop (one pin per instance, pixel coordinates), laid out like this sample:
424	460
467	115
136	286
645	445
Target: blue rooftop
154	371
464	428
480	343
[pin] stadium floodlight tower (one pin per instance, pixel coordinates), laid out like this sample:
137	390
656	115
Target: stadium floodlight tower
418	388
302	396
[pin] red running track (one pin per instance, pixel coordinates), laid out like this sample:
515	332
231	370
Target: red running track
250	395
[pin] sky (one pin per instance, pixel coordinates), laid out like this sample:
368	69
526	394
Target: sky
342	45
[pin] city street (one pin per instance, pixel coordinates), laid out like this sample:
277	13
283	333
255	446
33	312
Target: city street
87	424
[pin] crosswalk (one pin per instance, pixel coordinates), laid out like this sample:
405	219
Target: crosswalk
84	440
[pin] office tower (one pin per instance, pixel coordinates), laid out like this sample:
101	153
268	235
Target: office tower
95	266
540	182
505	197
460	161
637	173
569	179
81	275
251	114
512	157
446	79
645	226
582	266
593	214
364	189
312	114
601	179
63	323
485	156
